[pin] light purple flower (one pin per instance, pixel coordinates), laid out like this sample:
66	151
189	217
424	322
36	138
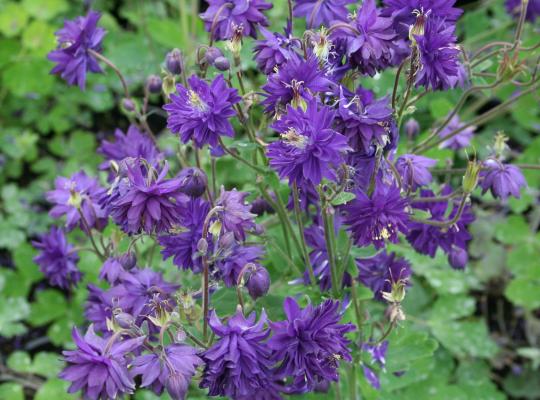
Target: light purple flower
503	180
234	213
321	12
274	50
414	170
460	140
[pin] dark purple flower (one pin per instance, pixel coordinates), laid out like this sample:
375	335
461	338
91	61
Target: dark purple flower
201	112
234	213
458	257
439	56
78	195
414	170
309	148
376	219
172	369
238	364
377	351
459	141
223	16
310	343
111	270
503	180
257	281
100	305
274	50
382	271
259	206
193	181
57	259
321	12
514	8
296	80
72	56
98	367
233	257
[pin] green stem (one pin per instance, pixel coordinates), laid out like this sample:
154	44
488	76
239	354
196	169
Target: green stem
330	239
300	223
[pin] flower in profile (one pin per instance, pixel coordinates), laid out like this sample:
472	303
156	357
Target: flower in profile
372	43
100	305
193	181
57	259
461	139
514	8
503	180
98	366
75	41
439	56
364	120
310	343
233	257
201	112
296	81
309	149
111	270
148	200
382	271
414	170
274	50
376	219
378	357
238	364
321	12
76	196
172	369
222	16
234	213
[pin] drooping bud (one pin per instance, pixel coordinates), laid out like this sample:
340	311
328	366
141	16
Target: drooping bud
222	63
128	260
174	62
202	246
419	26
193	181
177	385
212	53
128	105
124	320
470	180
153	83
412	128
258	282
259	206
235	43
458	257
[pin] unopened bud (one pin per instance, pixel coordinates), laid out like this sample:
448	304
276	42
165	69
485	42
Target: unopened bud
500	145
174	62
128	105
202	246
124	320
193	181
212	53
470	180
177	385
222	63
153	83
412	128
458	257
258	282
128	260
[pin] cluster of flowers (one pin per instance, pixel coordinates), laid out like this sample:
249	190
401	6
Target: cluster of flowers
333	141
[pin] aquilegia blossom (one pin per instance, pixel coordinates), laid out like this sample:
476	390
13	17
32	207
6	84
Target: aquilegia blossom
57	259
309	149
193	181
321	12
310	343
414	170
233	257
99	368
274	50
75	40
223	16
503	180
202	111
234	213
378	357
460	140
514	8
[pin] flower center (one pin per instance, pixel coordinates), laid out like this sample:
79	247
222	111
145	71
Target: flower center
293	138
196	101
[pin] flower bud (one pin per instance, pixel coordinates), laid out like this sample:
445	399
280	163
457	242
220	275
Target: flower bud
226	240
128	260
212	53
259	206
169	85
174	62
128	105
193	181
124	320
258	282
202	246
458	257
177	385
222	63
412	128
153	83
470	180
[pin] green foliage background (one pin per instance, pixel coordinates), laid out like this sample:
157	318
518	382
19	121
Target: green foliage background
467	333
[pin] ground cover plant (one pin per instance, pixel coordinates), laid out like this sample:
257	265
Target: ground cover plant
269	200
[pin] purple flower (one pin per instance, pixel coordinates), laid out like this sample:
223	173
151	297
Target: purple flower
78	195
72	56
412	127
459	141
503	180
172	369
309	148
274	50
365	120
57	259
147	201
514	8
439	56
233	258
309	343
223	16
201	112
414	170
382	271
234	214
98	367
372	43
100	305
111	270
238	364
377	351
375	219
296	81
321	12
371	377
458	258
257	281
193	181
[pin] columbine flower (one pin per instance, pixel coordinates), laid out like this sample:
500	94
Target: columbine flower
147	201
274	50
78	195
503	180
372	43
414	170
111	270
310	343
233	257
98	367
381	272
439	56
257	281
376	219
321	12
238	364
514	8
223	16
378	356
72	55
201	112
365	120
57	259
459	141
309	148
234	214
296	81
193	181
172	369
100	304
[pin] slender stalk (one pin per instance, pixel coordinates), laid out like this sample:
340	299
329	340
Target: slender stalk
450	222
111	65
329	237
241	159
282	217
300	223
351	375
91	236
396	83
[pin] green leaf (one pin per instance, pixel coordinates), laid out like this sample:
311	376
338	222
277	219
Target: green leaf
524	292
13	19
440	107
23	259
49	305
343	198
166	32
45	9
464	338
20	361
54	389
29	77
39	38
449	307
11	391
407	345
513	230
47	364
12	310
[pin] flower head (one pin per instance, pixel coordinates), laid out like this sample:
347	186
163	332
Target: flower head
460	140
503	180
193	181
201	112
234	213
309	149
514	8
75	41
321	12
414	170
274	50
57	259
232	259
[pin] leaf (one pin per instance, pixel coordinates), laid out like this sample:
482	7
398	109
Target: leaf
29	77
13	19
39	37
49	305
450	307
12	310
440	107
54	389
407	345
45	9
11	391
20	361
512	230
47	364
23	259
343	198
464	338
166	32
524	292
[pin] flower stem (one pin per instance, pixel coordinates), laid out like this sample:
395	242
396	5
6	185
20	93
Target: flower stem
329	237
300	224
